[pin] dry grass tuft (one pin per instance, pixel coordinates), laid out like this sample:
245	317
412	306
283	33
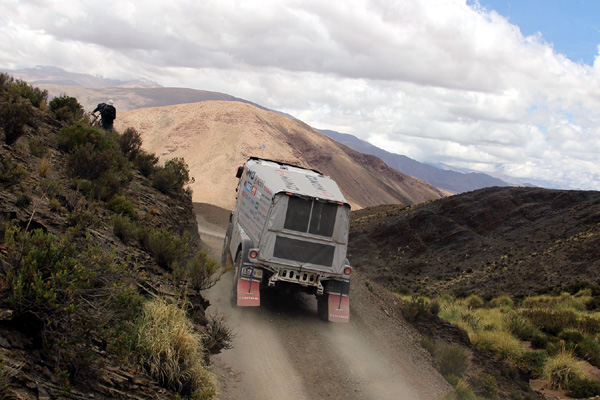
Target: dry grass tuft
562	369
172	352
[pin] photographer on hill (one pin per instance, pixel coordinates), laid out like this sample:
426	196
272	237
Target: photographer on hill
108	113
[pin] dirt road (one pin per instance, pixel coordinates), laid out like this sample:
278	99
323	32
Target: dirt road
283	351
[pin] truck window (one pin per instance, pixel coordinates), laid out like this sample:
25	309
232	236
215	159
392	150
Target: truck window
310	216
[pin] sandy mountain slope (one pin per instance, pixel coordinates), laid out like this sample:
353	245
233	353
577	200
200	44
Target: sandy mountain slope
215	137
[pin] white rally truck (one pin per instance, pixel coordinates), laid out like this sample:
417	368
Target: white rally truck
289	228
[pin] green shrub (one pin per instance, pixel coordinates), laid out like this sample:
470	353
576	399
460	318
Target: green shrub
416	308
588	348
539	340
36	148
462	391
198	273
95	157
171	351
166	247
15	113
451	358
474	301
172	177
120	205
485	385
589	324
502	344
562	369
583	388
18	88
571	336
519	326
551	321
66	108
502	301
124	228
77	135
23	200
130	142
11	172
145	163
84	162
534	362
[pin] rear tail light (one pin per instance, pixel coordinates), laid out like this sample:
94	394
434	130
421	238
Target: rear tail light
252	254
347	271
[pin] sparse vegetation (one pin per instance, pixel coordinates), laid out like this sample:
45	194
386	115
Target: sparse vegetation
172	352
62	282
553	324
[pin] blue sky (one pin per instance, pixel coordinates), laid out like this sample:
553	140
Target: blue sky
572	26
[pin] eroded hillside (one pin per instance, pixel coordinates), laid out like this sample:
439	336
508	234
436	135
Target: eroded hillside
488	242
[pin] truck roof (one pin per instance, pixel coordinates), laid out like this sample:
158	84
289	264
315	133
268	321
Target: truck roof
283	177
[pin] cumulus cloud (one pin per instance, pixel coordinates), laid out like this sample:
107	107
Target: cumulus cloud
442	81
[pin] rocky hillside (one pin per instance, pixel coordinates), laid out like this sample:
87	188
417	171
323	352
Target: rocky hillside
215	137
89	238
491	241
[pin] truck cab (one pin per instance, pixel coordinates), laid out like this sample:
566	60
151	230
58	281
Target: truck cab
289	227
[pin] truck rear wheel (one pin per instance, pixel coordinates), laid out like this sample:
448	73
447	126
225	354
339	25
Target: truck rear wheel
226	243
237	266
323	307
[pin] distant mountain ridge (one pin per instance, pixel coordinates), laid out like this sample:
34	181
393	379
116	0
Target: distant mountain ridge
454	182
47	75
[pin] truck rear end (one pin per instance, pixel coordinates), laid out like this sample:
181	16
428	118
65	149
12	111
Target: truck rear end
289	227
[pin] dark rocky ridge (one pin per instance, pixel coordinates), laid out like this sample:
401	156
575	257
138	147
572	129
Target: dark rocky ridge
491	241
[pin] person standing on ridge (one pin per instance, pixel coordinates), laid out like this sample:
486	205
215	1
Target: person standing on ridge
108	113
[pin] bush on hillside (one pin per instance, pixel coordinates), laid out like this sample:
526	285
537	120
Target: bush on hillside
96	157
198	273
66	108
11	172
583	388
120	205
15	113
166	247
15	88
130	142
173	176
146	163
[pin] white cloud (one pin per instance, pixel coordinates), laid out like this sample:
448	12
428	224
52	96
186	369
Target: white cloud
437	80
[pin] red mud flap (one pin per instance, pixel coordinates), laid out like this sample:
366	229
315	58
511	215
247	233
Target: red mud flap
339	311
248	296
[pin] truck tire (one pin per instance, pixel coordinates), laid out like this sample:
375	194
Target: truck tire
237	266
226	243
323	306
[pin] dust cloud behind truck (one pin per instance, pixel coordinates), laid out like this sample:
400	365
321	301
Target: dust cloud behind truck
289	228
